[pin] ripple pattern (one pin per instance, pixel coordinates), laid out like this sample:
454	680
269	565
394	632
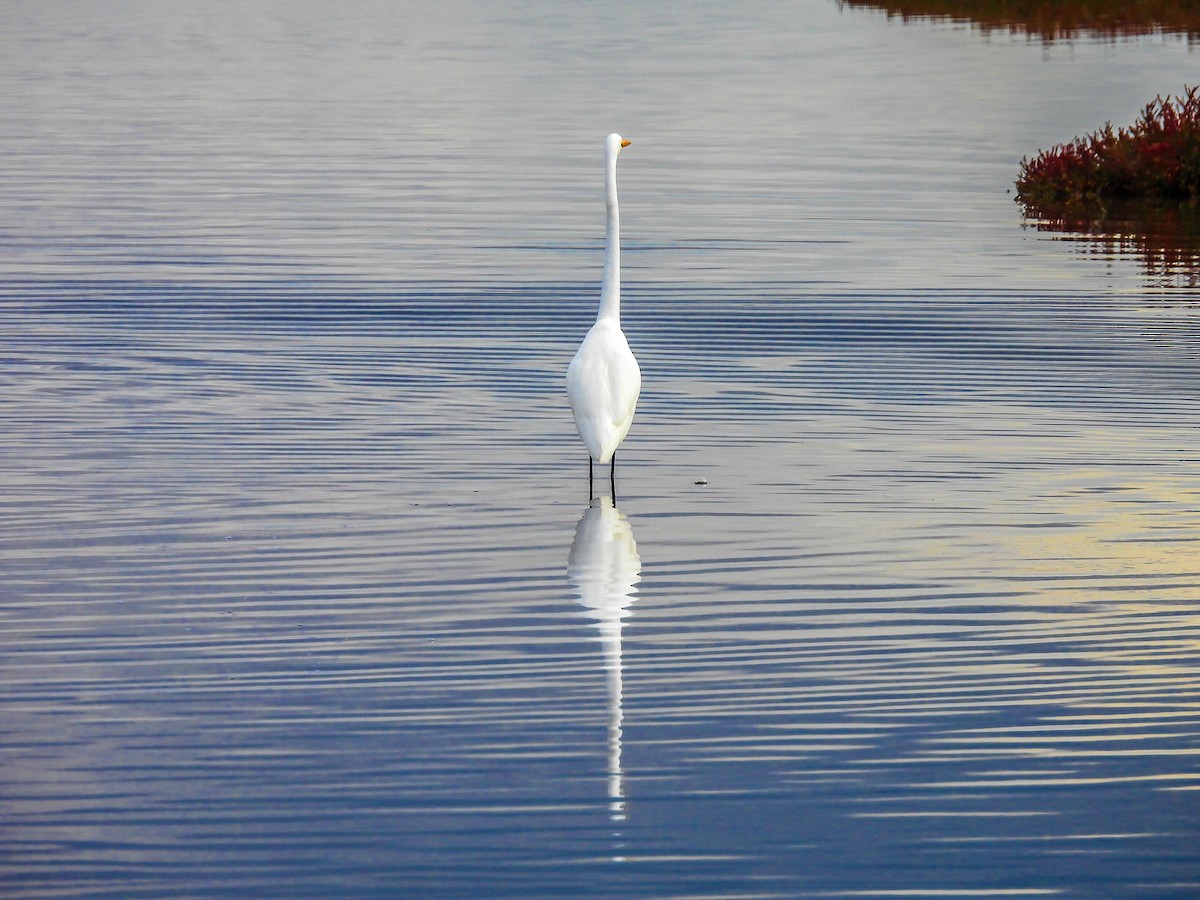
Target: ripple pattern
300	594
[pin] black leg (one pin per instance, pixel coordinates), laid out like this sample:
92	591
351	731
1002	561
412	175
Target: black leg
590	494
612	478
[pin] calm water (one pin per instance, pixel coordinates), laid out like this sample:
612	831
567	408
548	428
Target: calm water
302	596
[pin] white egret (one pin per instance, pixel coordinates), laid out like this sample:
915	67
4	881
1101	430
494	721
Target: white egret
603	380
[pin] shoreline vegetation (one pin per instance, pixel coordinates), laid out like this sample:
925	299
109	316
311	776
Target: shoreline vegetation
1118	190
1055	21
1157	159
1127	189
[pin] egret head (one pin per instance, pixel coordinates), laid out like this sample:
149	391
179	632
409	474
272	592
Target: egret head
614	143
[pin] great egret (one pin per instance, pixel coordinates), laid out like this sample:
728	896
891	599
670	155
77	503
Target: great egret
603	380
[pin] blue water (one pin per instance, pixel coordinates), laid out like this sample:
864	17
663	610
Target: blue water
302	593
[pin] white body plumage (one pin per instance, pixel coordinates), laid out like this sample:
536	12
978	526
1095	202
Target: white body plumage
603	380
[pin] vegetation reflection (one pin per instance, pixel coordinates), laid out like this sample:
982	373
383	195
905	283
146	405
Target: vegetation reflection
1051	21
1164	239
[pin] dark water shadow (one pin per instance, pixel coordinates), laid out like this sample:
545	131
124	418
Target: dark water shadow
1163	237
1053	21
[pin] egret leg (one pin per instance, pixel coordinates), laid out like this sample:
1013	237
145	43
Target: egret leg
612	477
590	492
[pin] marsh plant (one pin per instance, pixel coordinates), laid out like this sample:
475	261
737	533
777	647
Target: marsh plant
1134	189
1156	159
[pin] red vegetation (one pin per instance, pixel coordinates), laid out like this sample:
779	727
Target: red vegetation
1158	158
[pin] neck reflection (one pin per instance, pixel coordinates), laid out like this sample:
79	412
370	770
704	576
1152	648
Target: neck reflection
603	567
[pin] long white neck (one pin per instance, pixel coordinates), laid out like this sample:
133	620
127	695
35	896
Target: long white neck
610	286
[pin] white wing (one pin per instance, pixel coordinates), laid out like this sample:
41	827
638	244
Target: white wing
603	383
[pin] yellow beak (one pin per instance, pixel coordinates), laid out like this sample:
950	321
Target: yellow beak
626	143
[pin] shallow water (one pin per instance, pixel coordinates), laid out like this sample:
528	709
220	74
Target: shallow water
302	593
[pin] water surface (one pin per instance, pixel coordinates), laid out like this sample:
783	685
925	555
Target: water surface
303	595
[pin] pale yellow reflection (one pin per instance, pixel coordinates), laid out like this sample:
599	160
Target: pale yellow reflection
603	567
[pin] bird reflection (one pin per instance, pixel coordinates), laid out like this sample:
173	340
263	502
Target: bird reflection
603	568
